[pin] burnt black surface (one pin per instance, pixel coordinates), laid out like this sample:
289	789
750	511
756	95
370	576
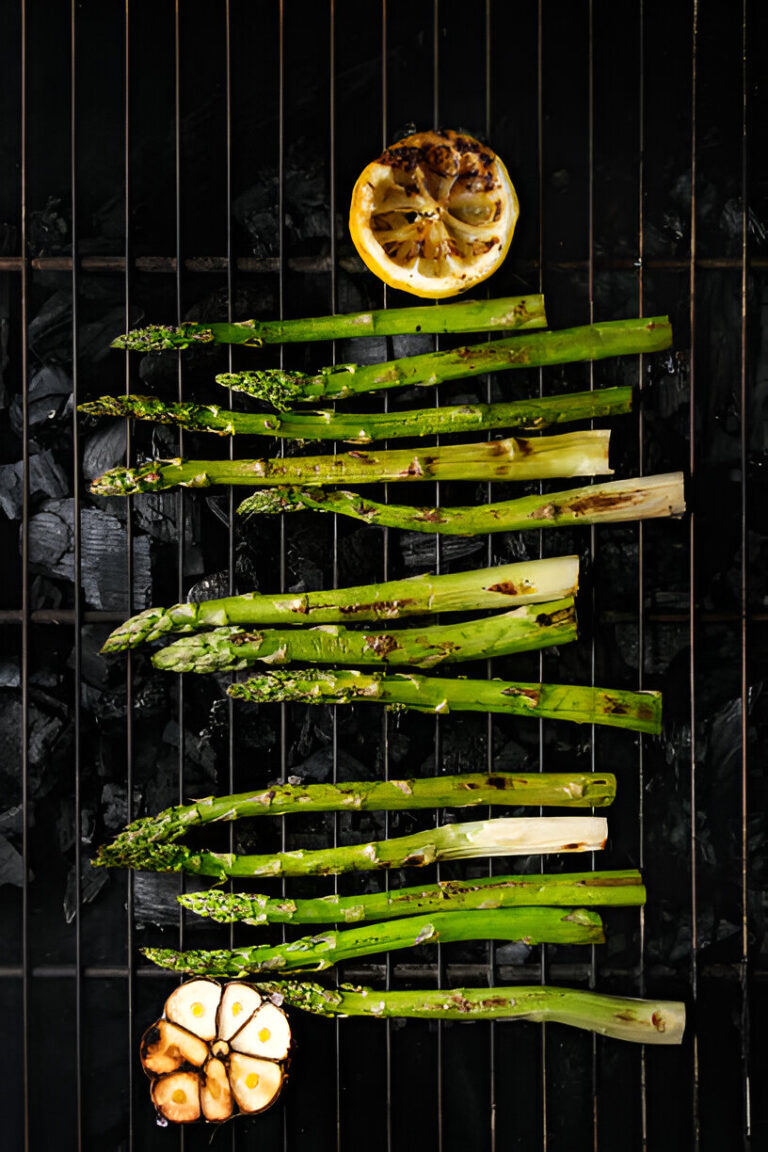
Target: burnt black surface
622	128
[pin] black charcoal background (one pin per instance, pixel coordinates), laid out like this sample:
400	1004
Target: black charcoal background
196	162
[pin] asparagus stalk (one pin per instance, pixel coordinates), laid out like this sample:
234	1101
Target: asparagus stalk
465	316
501	837
620	1017
232	649
537	789
643	498
528	582
639	711
363	427
516	458
558	890
592	342
316	953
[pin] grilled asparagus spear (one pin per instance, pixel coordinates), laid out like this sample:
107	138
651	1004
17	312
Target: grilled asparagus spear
644	498
639	711
557	890
464	316
620	1017
232	649
516	458
500	837
534	925
363	427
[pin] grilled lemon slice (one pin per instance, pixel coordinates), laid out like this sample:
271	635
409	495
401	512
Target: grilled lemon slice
434	215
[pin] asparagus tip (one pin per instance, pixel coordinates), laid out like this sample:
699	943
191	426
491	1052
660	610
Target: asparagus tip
278	388
160	337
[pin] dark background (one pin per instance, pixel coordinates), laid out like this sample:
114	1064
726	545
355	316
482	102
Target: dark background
198	163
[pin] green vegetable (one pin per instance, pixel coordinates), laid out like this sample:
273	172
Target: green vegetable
620	1017
643	498
500	837
231	649
640	711
465	316
316	953
516	458
558	890
363	427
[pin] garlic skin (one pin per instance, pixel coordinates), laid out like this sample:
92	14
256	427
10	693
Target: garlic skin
217	1052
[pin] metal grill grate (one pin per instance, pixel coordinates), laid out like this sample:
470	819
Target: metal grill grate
161	159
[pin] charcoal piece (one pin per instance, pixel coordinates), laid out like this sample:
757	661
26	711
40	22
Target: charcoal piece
103	543
156	513
44	594
10	674
211	587
319	766
49	399
102	318
105	448
359	558
49	743
12	821
46	478
92	880
418	550
11	864
113	806
48	230
512	757
154	901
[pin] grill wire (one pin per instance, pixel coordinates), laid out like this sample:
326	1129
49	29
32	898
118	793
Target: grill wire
108	201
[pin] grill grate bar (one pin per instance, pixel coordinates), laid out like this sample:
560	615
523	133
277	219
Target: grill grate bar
744	589
25	597
641	632
692	622
77	564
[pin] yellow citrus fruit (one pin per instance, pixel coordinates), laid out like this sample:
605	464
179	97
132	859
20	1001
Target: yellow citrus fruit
434	215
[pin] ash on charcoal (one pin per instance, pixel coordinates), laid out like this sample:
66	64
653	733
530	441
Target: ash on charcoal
46	478
49	399
514	953
103	543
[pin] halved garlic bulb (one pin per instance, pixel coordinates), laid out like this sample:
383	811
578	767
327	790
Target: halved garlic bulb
215	1052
